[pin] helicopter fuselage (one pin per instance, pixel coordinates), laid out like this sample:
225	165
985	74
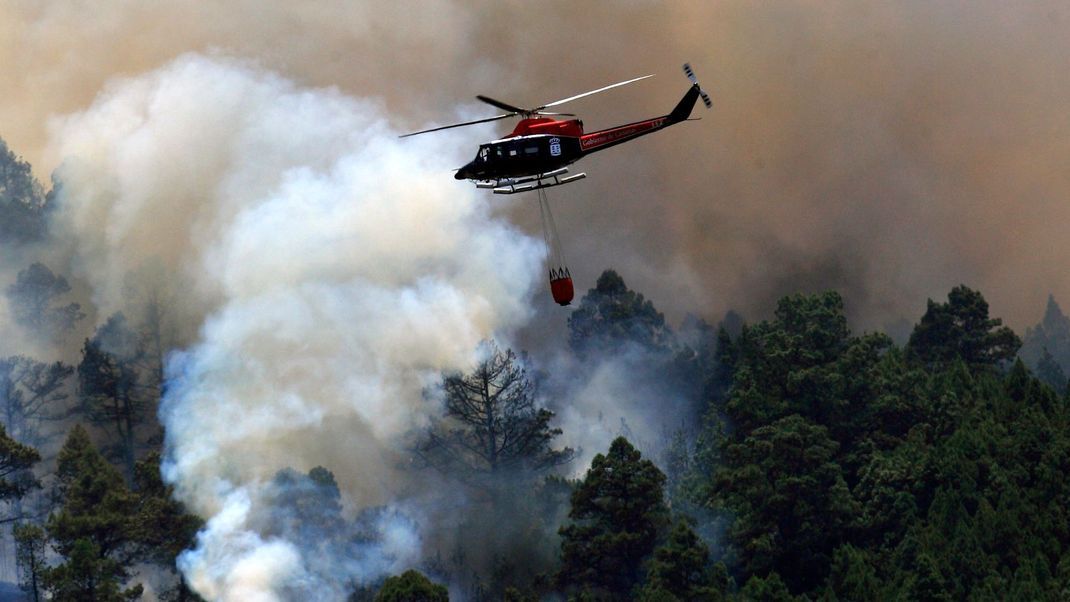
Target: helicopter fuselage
539	145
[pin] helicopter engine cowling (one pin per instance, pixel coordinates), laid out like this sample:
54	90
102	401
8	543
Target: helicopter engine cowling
546	125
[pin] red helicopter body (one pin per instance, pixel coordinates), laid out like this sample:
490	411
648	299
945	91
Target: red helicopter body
537	153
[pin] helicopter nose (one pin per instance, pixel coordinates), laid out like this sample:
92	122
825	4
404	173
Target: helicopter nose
464	173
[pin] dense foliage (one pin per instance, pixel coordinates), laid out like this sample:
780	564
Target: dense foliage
411	586
611	316
618	515
854	470
22	200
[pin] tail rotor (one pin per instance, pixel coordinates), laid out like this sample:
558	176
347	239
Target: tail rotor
694	81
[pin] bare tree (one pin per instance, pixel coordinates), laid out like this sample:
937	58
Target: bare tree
493	424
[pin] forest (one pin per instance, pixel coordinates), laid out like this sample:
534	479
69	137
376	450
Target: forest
812	463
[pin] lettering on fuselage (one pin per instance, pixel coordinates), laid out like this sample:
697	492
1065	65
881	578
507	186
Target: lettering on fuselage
602	138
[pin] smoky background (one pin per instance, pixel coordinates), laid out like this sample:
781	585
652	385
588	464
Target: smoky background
888	152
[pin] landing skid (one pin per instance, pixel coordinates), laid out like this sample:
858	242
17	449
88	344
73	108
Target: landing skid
529	183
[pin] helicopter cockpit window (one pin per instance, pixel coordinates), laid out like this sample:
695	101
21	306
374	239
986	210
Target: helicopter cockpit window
531	150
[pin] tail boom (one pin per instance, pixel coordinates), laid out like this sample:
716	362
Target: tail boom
602	139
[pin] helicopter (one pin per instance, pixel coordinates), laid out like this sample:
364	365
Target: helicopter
537	153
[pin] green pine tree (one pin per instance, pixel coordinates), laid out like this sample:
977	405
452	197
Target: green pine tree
612	316
30	559
22	200
791	502
853	576
93	530
161	527
33	297
770	588
1051	373
411	586
113	393
16	462
618	514
962	329
679	568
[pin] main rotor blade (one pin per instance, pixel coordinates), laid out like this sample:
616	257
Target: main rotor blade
501	105
457	125
571	98
556	114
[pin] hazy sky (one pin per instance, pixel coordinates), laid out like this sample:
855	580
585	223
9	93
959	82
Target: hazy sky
887	150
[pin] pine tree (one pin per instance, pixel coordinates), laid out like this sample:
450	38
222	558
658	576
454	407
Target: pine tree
771	588
678	567
30	393
16	460
618	514
161	527
30	559
962	329
22	200
612	316
307	507
1051	373
1050	336
411	586
495	427
852	576
32	298
93	530
790	499
790	365
87	575
112	393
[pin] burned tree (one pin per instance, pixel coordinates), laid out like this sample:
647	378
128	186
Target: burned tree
493	423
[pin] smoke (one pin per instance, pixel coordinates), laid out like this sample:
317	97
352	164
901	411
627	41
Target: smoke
321	272
334	271
627	393
890	151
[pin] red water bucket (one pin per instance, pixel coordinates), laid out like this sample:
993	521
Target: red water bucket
562	289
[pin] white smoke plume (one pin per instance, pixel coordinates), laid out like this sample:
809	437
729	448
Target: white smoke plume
615	398
333	272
